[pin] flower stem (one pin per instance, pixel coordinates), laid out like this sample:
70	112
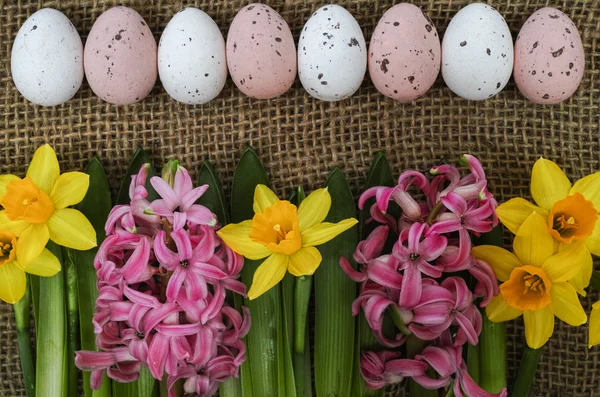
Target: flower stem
473	353
527	370
397	319
22	320
302	289
434	212
73	344
492	346
415	346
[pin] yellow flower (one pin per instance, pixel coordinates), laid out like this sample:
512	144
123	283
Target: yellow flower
12	271
594	336
571	212
285	235
35	208
535	281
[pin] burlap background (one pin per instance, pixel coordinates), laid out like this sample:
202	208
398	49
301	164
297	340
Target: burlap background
299	139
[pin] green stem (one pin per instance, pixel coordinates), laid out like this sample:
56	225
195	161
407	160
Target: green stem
147	385
34	287
527	370
398	322
595	280
492	345
22	320
302	289
473	352
51	337
70	274
163	390
415	346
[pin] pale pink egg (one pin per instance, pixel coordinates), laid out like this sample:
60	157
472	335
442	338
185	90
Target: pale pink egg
261	53
405	53
549	58
120	57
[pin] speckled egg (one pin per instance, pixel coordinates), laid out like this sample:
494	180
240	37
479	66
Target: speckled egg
477	52
549	58
120	57
47	58
191	57
332	54
261	53
405	53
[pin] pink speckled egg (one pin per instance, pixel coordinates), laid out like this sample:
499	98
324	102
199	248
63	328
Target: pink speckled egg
261	54
120	57
404	54
549	58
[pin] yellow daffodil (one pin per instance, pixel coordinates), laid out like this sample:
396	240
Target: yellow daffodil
570	212
12	271
35	208
285	235
535	281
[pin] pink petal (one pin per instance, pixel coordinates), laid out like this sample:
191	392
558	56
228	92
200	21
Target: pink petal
405	367
411	177
446	226
140	298
472	389
195	286
414	236
431	384
96	379
175	282
165	191
374	309
201	215
157	354
410	293
179	220
205	249
209	271
439	359
350	272
410	208
157	315
165	256
183	243
234	285
379	271
192	196
432	247
136	268
183	183
455	203
371	247
466	327
115	216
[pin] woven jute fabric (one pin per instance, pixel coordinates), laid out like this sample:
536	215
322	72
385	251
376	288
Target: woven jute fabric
300	139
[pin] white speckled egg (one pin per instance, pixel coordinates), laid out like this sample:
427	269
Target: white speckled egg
477	52
332	54
47	58
261	53
191	57
404	54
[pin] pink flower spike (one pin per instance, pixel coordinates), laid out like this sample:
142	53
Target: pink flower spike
371	247
381	369
487	284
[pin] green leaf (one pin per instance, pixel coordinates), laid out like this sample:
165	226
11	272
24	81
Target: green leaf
334	294
263	354
147	386
96	206
140	157
287	381
22	323
73	343
213	198
51	336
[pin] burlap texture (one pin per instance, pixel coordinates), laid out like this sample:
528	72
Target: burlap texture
300	139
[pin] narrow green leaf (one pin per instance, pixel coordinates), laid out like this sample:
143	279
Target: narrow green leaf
492	340
73	344
262	354
125	389
34	286
380	174
147	386
140	157
22	323
334	294
51	338
303	370
287	343
213	198
96	206
473	362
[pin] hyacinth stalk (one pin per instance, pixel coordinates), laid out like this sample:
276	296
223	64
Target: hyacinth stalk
95	206
22	322
492	344
334	293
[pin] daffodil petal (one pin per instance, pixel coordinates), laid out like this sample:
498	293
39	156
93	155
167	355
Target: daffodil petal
70	188
513	213
566	264
14	227
582	278
305	261
593	241
533	243
31	243
45	265
12	283
314	208
589	186
594	330
5	180
237	237
263	198
323	232
44	169
498	310
539	326
268	274
549	183
501	261
566	305
70	228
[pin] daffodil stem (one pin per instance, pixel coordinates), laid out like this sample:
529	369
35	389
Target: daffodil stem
595	280
473	353
492	355
70	275
302	290
527	370
22	320
415	346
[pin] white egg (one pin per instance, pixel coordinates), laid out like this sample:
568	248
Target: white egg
191	57
332	54
477	52
47	58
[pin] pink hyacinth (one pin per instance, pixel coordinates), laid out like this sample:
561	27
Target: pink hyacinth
162	275
416	281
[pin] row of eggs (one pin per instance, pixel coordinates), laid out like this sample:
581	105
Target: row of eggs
121	59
